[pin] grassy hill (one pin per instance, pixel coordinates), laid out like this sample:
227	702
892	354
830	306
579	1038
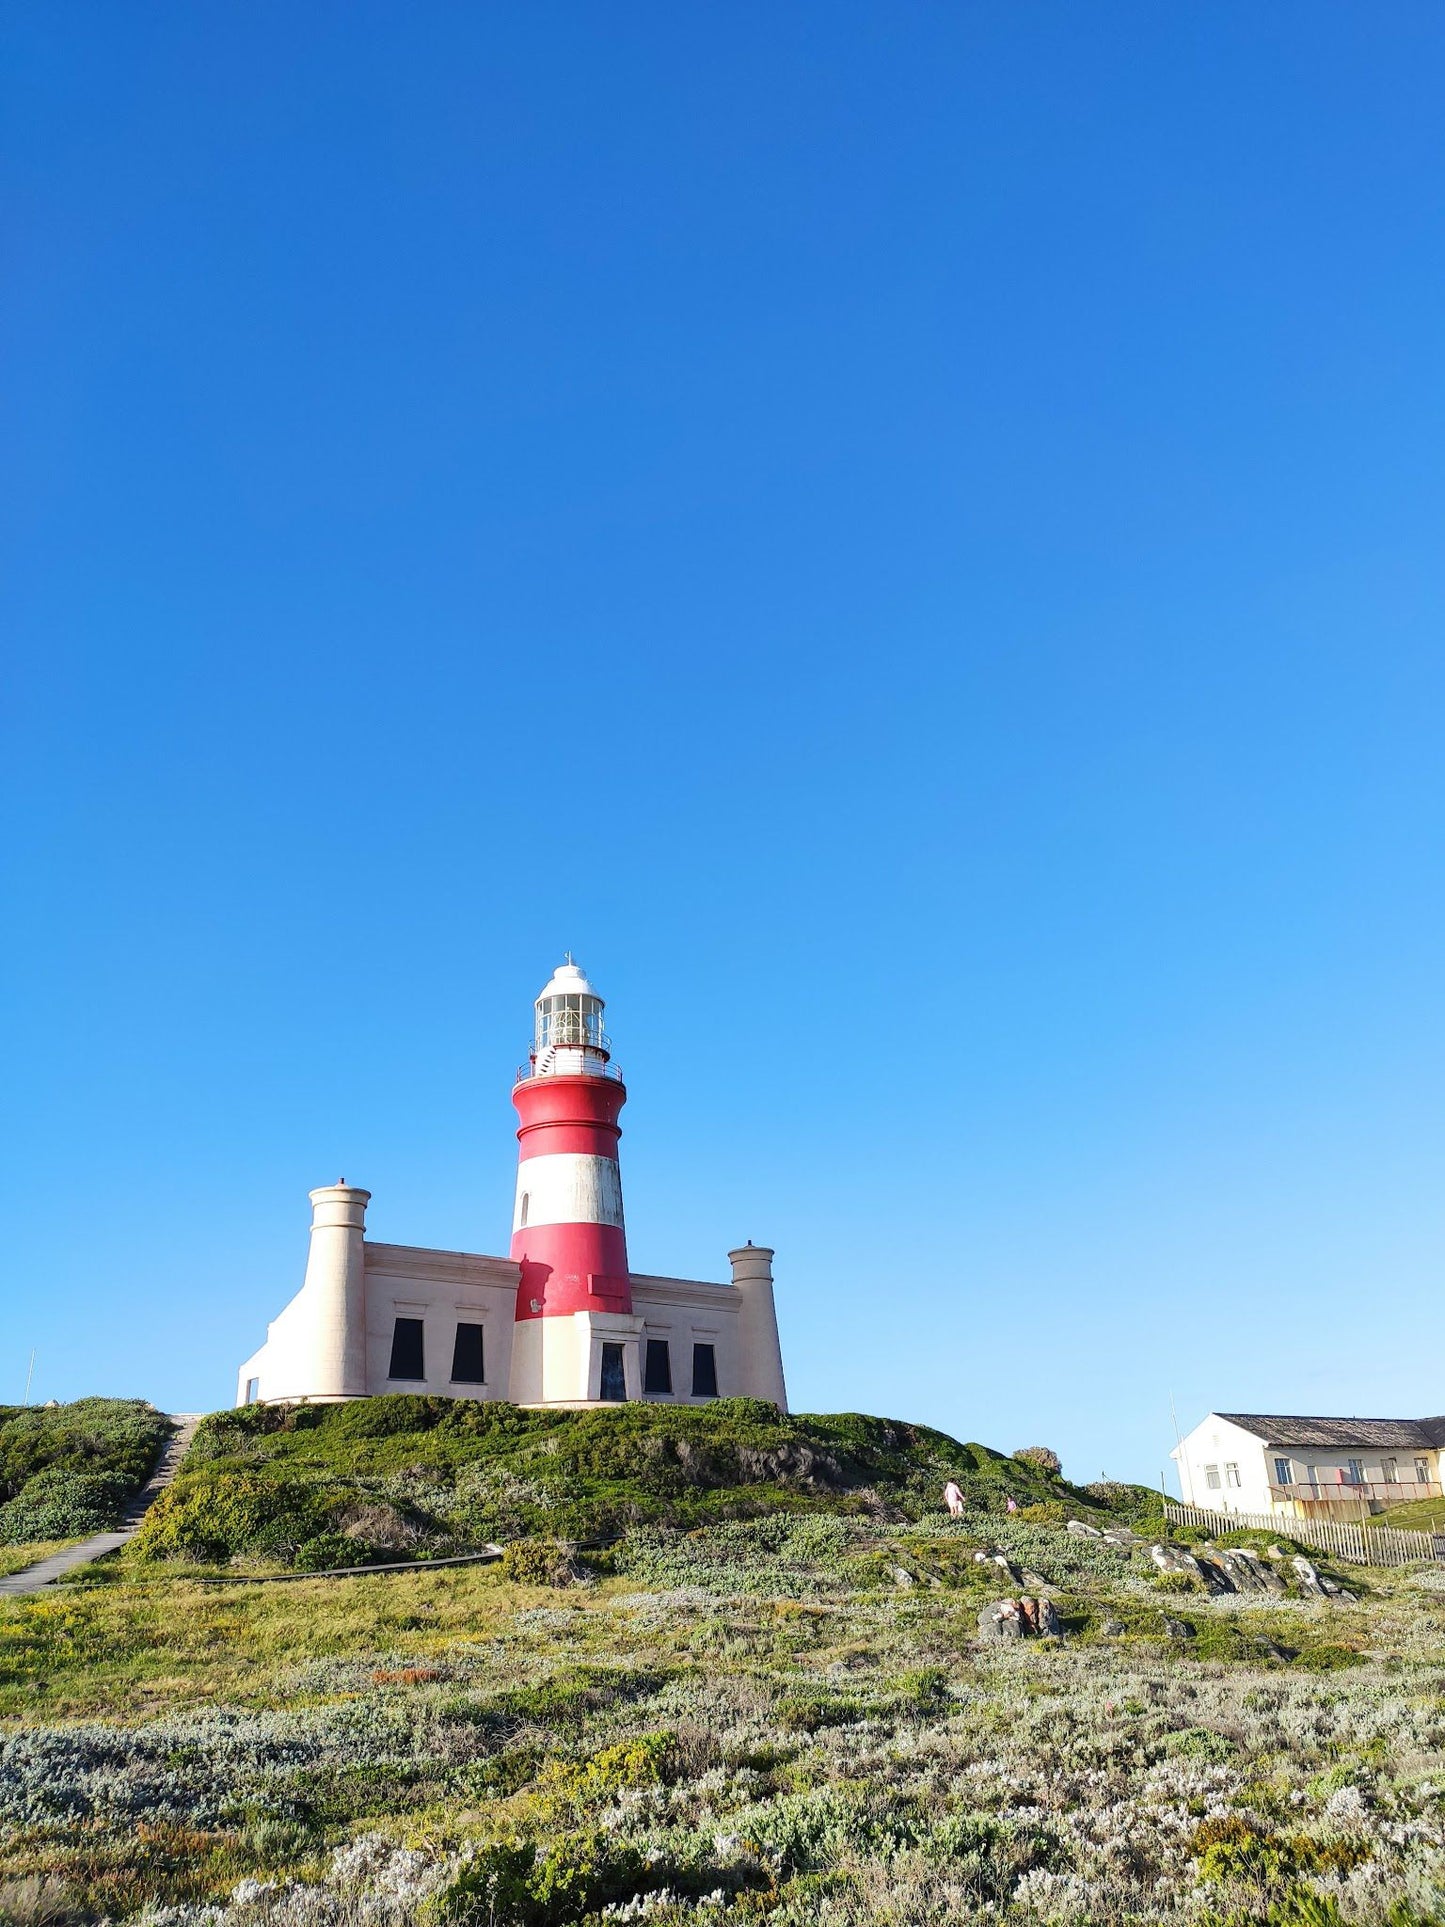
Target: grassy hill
764	1701
404	1476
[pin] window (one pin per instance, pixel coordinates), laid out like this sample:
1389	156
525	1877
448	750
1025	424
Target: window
1391	1470
1354	1472
657	1377
704	1371
1231	1475
1211	1477
614	1378
1422	1471
253	1390
1282	1473
523	1208
468	1367
406	1349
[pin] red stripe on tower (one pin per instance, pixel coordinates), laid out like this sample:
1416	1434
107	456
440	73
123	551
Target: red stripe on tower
567	1226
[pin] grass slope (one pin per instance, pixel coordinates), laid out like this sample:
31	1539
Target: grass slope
405	1476
747	1721
1418	1515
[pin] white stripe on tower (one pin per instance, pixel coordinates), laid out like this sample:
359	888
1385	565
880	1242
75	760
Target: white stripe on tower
568	1187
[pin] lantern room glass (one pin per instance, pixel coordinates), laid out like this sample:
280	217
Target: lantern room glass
570	1021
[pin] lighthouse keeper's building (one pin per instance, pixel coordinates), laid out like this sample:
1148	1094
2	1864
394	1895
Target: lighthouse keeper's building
561	1320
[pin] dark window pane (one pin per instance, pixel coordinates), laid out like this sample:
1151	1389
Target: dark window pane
406	1349
614	1379
704	1372
658	1376
467	1356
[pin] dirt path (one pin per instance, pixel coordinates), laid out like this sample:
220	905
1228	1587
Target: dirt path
32	1578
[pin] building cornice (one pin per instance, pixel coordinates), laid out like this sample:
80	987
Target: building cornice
459	1267
683	1291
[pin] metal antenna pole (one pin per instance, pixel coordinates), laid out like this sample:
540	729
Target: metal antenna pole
1174	1416
29	1374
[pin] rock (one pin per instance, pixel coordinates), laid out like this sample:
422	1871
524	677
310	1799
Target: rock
1265	1578
1006	1565
1111	1628
1035	1581
1214	1575
1243	1570
902	1577
1025	1618
1001	1621
1178	1629
1083	1531
1176	1559
1120	1536
1309	1577
1268	1648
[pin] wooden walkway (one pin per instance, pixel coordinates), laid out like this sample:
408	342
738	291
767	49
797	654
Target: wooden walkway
45	1571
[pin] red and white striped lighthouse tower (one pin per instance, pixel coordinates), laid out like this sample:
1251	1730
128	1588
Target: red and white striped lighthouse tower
567	1228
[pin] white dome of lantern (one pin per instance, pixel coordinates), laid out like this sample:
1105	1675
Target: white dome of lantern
567	980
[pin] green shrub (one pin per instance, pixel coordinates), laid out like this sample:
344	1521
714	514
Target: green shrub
1177	1582
100	1437
214	1514
809	1714
925	1689
327	1551
62	1504
519	1884
538	1562
1139	1506
1046	1512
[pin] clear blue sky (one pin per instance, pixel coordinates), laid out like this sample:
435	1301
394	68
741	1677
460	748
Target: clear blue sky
910	537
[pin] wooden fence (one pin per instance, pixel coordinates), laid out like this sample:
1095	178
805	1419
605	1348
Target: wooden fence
1362	1545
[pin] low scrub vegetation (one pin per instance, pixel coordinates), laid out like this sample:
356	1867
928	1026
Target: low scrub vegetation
413	1477
68	1470
781	1714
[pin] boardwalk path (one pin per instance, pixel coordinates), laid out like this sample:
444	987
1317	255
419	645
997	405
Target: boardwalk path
59	1563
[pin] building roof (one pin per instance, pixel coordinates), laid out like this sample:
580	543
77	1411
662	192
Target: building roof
1340	1434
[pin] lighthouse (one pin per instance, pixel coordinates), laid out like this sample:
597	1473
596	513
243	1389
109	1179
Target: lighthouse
562	1320
575	1321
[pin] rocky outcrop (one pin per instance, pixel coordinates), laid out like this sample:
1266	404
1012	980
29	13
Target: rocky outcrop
1318	1584
1023	1618
1238	1569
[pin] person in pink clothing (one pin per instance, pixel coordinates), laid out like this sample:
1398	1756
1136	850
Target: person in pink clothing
953	1499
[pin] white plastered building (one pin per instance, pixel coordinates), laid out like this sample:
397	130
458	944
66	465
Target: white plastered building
1308	1468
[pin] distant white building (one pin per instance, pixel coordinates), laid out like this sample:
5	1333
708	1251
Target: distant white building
1309	1468
561	1320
